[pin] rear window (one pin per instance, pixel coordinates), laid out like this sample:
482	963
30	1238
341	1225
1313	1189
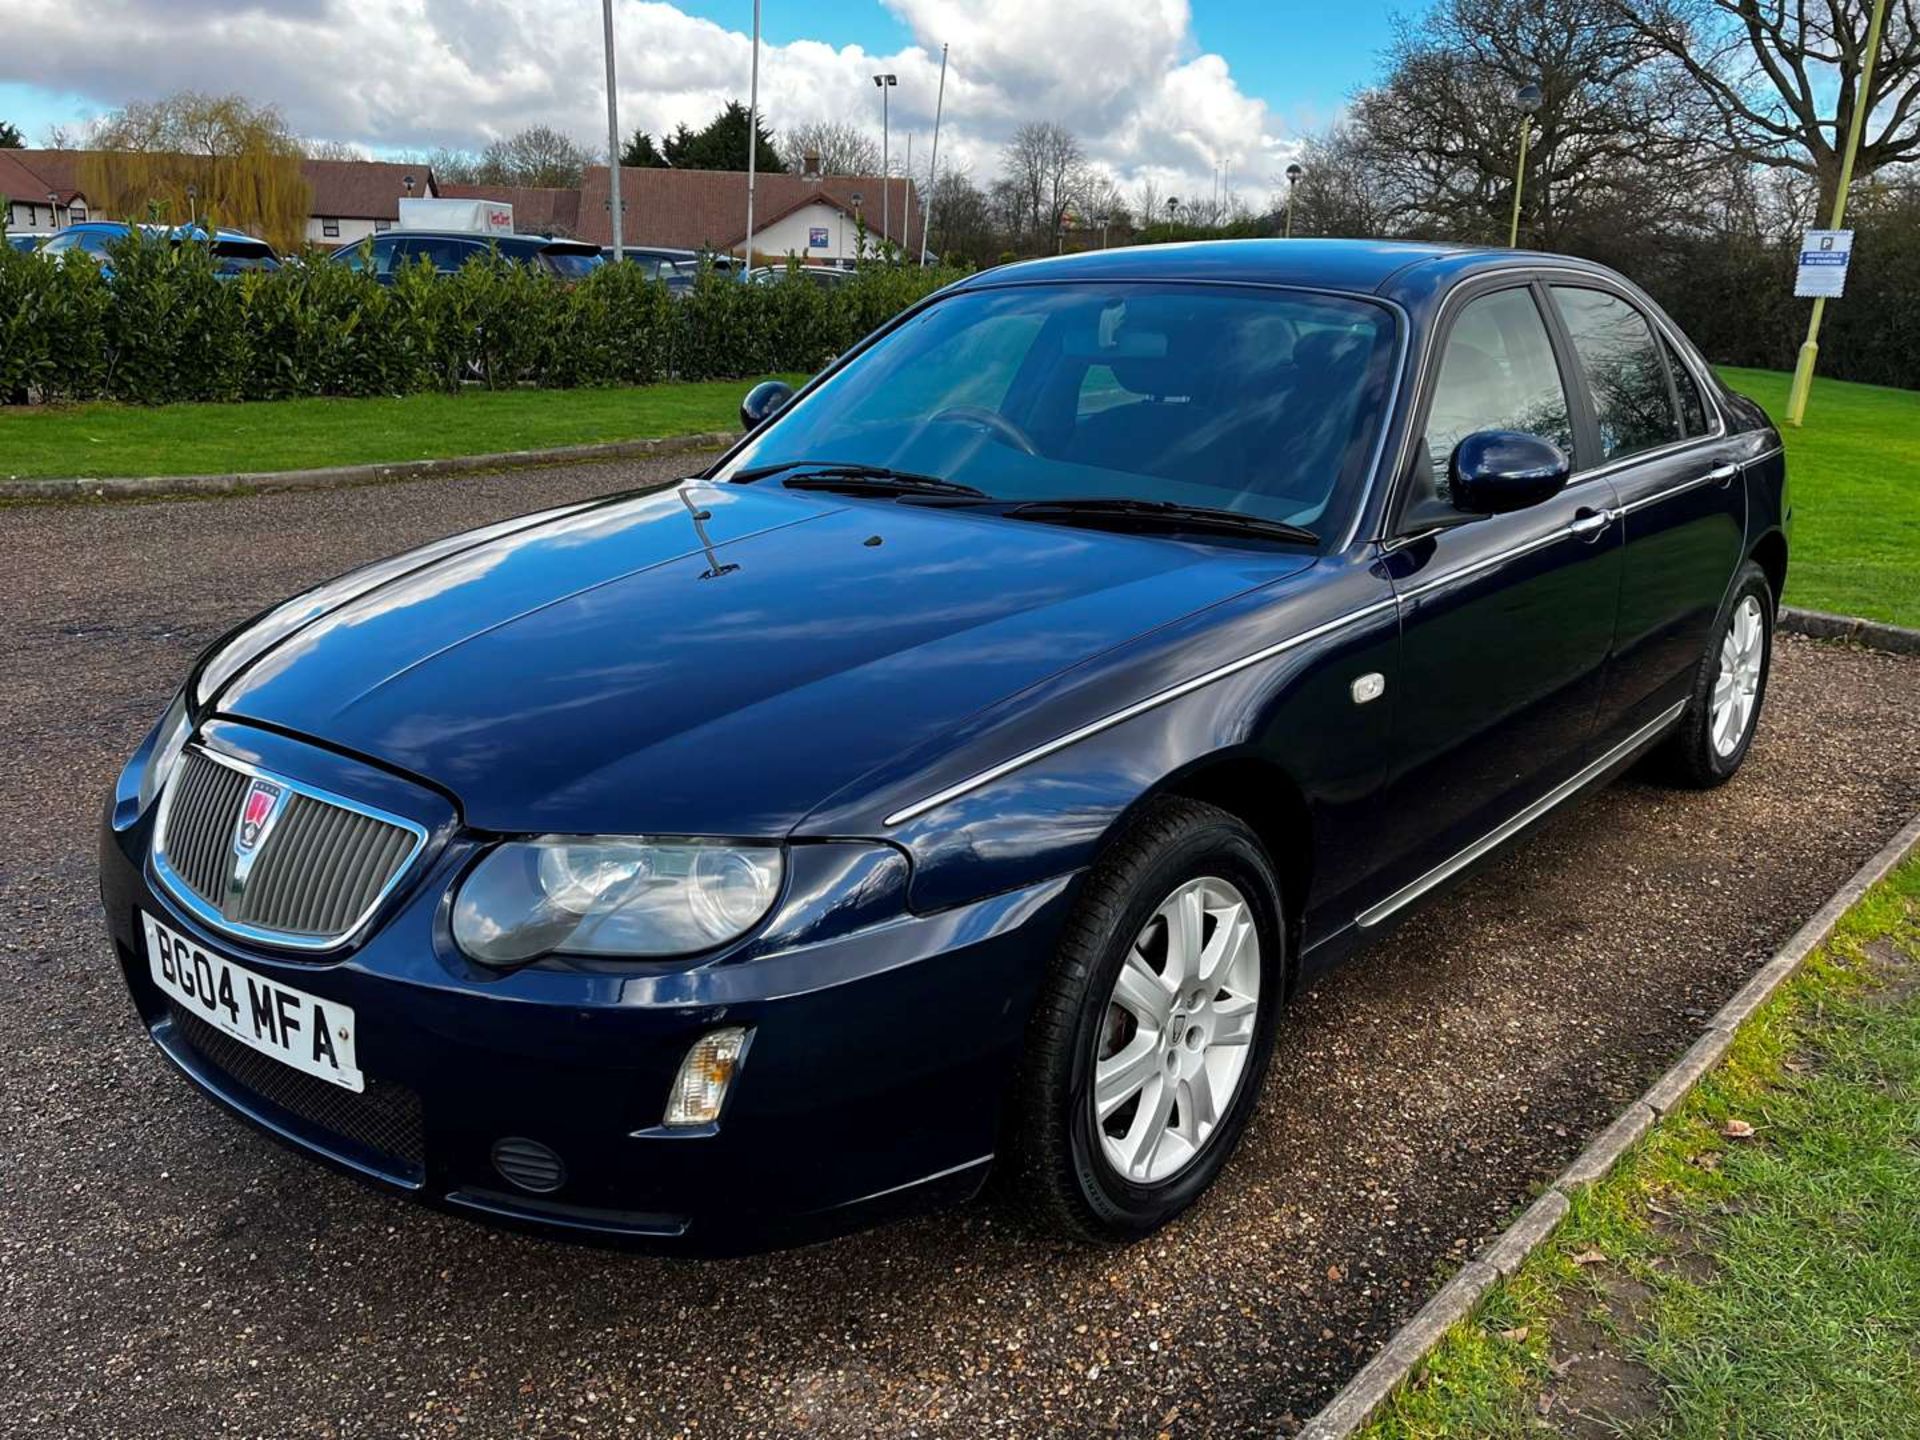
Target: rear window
572	264
1626	375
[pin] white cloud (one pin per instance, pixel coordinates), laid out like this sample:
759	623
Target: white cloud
1127	78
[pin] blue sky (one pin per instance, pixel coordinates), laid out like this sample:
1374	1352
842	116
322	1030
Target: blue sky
1158	90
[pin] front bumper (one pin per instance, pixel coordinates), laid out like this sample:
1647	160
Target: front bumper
873	1082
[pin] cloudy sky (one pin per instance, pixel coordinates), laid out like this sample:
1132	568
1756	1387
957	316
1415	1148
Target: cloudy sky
1154	88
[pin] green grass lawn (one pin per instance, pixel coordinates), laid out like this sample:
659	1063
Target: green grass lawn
1854	470
106	439
1753	1267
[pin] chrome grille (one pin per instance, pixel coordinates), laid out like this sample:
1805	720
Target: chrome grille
318	874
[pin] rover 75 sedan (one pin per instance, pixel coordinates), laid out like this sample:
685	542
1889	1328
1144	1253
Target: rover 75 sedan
961	772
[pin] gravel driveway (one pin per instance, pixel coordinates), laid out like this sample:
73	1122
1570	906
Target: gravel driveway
166	1272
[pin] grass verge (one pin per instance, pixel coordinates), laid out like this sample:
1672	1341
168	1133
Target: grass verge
1854	469
108	439
1753	1267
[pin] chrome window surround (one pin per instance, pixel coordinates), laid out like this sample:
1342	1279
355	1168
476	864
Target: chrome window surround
210	916
1522	274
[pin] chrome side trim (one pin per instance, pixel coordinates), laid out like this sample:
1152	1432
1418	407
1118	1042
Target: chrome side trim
1510	827
208	915
1139	707
1487	562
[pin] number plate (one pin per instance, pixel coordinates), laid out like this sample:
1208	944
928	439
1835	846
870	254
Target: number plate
310	1034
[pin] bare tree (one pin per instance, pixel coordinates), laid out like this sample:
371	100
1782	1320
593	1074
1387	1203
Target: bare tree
538	156
1338	192
333	150
1783	78
844	149
1044	163
1147	202
1616	138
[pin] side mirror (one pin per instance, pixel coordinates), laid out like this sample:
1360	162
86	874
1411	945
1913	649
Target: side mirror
763	402
1494	471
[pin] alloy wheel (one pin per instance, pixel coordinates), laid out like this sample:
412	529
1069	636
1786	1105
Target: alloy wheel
1178	1031
1736	688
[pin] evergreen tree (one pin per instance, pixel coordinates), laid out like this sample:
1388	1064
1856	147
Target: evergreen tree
10	137
722	145
640	153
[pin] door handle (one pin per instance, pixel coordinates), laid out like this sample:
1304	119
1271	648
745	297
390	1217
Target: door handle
1723	475
1588	524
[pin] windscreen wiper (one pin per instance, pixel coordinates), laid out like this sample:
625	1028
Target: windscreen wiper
857	479
1160	515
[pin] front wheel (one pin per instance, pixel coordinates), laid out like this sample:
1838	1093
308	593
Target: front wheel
1147	1049
1716	730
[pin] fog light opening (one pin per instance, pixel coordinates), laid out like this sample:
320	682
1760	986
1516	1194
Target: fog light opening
700	1089
529	1165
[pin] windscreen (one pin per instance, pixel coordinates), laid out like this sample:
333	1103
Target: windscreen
1265	401
572	264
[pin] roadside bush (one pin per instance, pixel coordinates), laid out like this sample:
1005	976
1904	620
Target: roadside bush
165	327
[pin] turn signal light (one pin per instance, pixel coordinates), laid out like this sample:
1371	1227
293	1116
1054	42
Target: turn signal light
700	1089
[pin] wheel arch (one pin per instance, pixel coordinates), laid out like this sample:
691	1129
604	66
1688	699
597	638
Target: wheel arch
1770	554
1263	796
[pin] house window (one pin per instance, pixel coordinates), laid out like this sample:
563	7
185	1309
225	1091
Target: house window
382	225
77	213
330	228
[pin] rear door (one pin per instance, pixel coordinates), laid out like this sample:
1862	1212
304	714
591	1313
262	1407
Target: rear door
1661	442
1506	620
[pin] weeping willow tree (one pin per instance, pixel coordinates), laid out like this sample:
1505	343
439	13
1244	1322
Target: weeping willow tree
239	158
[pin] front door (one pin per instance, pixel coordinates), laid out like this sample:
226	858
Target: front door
1506	621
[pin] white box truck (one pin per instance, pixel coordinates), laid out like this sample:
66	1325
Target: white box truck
487	217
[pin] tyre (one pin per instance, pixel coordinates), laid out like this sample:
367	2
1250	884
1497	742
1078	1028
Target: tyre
1151	1036
1716	729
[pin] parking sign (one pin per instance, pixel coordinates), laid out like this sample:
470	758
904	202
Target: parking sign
1823	264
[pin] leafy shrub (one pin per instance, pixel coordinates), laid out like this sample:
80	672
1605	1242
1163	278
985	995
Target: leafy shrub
164	327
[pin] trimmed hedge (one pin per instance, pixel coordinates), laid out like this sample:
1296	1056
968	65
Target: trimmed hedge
165	328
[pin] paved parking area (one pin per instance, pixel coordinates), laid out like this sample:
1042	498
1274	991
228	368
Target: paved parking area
166	1272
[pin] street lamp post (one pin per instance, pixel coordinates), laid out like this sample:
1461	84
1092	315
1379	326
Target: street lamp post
886	83
1526	99
1294	172
753	136
1810	347
613	135
53	208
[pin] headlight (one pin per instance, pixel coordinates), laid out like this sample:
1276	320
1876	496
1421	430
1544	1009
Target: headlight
170	738
611	895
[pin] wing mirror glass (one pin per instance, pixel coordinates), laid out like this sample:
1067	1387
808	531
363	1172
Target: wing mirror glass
763	402
1492	472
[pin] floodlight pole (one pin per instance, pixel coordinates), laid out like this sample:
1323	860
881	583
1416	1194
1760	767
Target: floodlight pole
753	136
933	166
613	137
1810	348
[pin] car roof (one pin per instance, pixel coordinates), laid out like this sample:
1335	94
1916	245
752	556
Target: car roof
1395	269
482	237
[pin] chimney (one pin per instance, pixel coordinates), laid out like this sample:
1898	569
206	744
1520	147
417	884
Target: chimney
810	165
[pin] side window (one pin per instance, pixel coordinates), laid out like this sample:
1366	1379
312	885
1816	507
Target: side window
1693	409
1497	373
1625	373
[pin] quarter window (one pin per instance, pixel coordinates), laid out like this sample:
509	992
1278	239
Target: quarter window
1693	409
1497	373
1624	371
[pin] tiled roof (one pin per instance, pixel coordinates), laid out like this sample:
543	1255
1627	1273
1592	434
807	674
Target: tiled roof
29	175
696	209
364	189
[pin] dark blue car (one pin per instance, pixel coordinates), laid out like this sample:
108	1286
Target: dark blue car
964	770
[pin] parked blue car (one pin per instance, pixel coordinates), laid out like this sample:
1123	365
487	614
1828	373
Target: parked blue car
235	253
964	770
